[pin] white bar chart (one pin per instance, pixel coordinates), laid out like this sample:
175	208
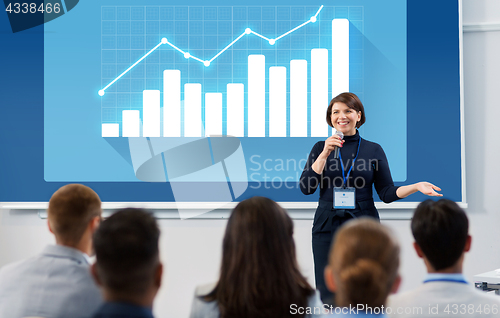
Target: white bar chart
277	100
213	114
111	130
151	113
235	110
340	56
298	98
319	92
192	110
131	123
256	96
171	103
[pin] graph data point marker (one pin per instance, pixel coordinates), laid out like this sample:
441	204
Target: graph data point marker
206	63
101	92
164	41
272	41
248	30
187	55
313	19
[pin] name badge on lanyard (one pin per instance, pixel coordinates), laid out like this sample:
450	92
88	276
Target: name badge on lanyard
345	197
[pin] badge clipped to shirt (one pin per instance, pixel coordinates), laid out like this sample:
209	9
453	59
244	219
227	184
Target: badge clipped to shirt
344	198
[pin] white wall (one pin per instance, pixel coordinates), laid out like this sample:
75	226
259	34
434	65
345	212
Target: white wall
482	84
191	249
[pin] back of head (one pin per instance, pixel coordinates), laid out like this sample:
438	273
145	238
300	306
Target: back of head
259	272
364	260
440	228
70	210
127	255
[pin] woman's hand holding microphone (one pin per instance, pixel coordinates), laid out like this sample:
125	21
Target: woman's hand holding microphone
330	144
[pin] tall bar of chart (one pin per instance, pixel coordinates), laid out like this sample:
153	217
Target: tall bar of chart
298	98
256	96
282	100
340	56
319	92
172	103
277	101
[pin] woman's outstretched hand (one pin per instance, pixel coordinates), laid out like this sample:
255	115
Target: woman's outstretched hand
428	188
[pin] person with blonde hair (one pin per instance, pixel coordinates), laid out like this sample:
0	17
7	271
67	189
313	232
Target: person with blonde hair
363	268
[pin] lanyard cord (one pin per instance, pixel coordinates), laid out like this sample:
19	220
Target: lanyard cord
352	166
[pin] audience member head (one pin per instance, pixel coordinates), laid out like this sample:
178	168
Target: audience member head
127	263
441	232
363	264
73	215
259	274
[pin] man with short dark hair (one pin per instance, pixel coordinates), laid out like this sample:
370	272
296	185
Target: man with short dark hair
441	232
57	283
127	266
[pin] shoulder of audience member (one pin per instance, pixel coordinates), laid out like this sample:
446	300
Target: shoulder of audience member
399	299
11	268
202	290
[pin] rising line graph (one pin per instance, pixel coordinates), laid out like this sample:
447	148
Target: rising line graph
207	63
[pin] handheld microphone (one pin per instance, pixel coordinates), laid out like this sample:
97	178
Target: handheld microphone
337	149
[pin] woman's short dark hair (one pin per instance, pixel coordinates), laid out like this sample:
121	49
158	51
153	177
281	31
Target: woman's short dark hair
350	100
259	274
441	229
